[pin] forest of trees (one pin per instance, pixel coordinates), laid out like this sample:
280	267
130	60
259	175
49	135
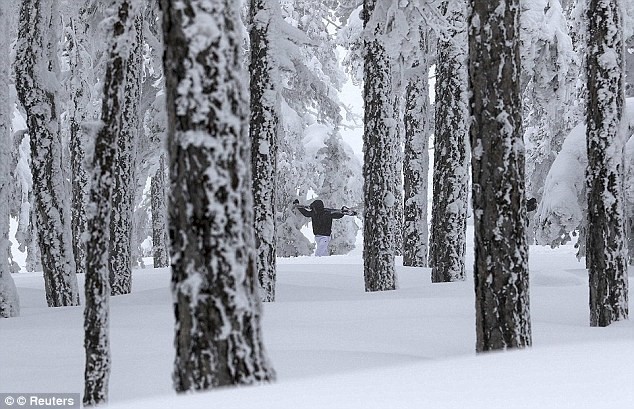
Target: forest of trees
195	124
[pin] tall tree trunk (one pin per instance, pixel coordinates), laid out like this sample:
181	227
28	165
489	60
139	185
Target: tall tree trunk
96	314
418	127
499	208
80	100
379	156
607	259
214	277
160	243
9	301
123	188
449	207
265	113
35	74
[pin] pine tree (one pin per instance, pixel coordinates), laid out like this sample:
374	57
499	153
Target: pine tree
264	129
79	91
36	74
418	127
214	277
605	252
380	155
96	315
9	301
123	189
501	251
449	207
160	244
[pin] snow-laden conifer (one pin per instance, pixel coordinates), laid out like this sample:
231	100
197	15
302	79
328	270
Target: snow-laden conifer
264	128
605	251
418	117
449	206
380	153
218	338
37	85
123	183
9	301
501	251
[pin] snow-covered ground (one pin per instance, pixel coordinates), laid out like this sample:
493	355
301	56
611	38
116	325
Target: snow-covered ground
335	346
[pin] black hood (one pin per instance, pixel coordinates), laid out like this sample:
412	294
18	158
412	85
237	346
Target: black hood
317	206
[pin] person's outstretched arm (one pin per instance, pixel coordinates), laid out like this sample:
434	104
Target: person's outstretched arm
304	210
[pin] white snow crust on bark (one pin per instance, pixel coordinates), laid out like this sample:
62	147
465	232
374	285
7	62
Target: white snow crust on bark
9	300
606	256
218	338
37	86
380	154
449	207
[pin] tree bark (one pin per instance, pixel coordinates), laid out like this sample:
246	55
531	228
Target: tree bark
379	157
606	253
214	277
160	243
418	127
499	208
449	207
96	314
264	128
123	189
36	87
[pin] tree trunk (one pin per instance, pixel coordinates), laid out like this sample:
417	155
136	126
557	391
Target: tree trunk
418	127
123	187
214	277
607	259
379	157
80	99
499	208
37	55
160	243
265	113
96	315
449	207
9	301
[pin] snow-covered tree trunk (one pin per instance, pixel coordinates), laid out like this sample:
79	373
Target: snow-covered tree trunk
418	127
79	101
379	155
214	276
36	72
123	186
9	301
605	252
264	129
501	251
160	243
449	206
397	186
96	315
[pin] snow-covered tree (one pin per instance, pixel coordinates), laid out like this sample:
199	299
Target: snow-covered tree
380	153
79	84
160	243
37	76
122	31
605	252
497	161
214	277
9	300
449	206
123	188
264	129
550	71
418	117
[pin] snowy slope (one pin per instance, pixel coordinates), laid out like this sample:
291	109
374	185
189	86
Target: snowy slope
335	346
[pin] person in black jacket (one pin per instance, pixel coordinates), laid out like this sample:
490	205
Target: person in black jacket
322	222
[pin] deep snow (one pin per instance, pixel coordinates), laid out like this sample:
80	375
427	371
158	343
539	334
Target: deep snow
335	346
